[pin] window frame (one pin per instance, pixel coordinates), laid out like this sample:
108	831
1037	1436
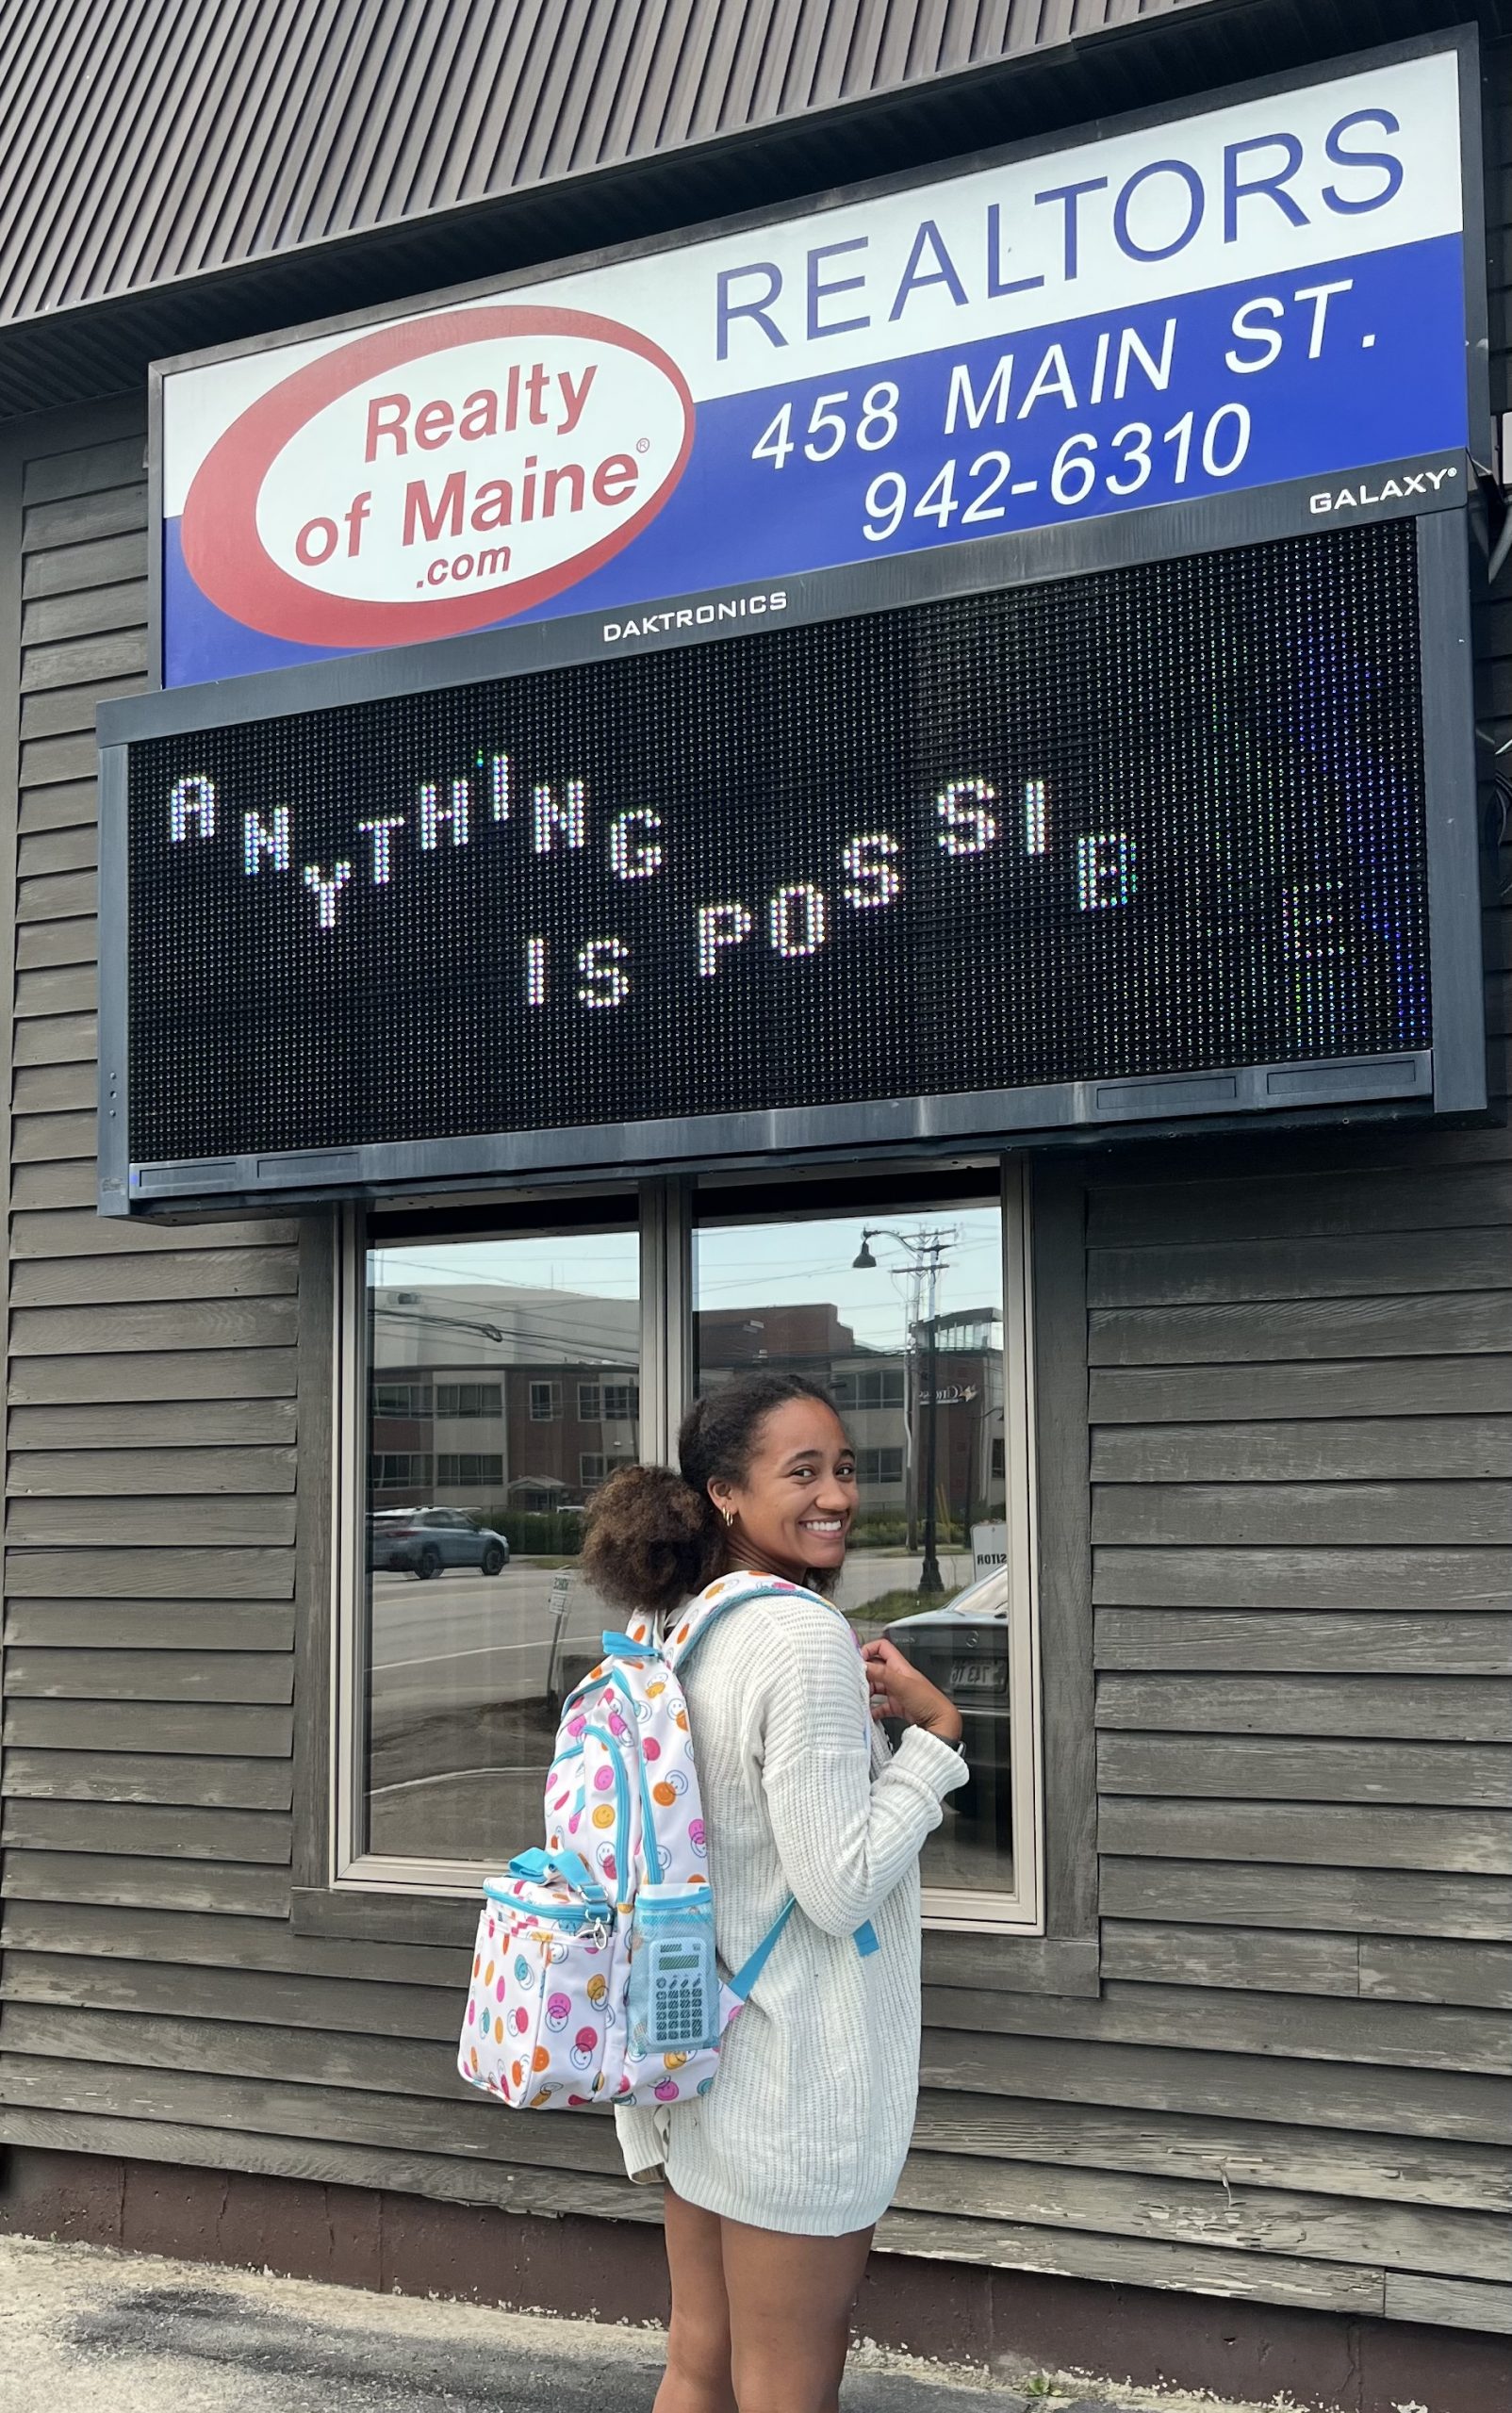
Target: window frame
884	1378
459	1458
424	1459
337	1893
867	1473
460	1414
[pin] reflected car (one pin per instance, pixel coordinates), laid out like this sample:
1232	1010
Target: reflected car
425	1541
962	1649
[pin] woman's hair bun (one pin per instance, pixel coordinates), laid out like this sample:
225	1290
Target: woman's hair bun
651	1540
652	1537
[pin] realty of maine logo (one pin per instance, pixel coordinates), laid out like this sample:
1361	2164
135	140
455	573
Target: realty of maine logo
437	475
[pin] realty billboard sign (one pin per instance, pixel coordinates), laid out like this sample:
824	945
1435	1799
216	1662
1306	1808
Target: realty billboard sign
985	655
656	446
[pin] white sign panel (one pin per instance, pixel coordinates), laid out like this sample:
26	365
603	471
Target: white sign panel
1255	293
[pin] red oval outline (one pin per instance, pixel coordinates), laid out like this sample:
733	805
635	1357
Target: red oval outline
228	560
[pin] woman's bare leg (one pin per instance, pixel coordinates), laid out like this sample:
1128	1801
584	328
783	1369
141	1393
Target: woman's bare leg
790	2301
698	2346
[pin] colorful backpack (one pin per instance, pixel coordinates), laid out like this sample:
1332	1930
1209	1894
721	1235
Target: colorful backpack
594	1980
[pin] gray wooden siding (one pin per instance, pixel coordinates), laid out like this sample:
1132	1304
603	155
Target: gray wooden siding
1291	2086
1300	1403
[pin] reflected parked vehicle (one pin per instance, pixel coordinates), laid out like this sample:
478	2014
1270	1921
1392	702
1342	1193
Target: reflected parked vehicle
426	1541
962	1649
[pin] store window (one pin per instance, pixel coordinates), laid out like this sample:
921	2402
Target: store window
470	1622
498	1382
912	1316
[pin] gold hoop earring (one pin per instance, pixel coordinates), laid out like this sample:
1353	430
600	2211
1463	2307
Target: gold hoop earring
729	1515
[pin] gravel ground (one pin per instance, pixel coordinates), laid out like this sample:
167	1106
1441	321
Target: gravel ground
83	2329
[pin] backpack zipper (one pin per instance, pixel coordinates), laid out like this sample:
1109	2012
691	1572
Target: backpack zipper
561	1914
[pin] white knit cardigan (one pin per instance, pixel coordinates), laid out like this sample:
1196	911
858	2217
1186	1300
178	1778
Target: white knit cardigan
807	2123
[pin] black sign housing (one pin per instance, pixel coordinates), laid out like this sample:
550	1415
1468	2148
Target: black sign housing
1155	840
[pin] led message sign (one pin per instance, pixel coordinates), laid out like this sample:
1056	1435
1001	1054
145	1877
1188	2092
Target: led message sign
1252	293
1001	852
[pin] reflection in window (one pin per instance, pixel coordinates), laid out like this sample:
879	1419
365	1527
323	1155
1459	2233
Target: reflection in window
477	1623
469	1399
459	1468
875	1467
396	1471
900	1317
868	1386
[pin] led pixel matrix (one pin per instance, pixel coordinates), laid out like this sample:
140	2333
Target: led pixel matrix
1151	819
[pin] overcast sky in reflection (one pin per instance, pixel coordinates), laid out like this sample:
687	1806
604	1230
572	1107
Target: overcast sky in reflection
741	1265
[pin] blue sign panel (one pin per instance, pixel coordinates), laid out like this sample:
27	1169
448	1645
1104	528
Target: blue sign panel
1262	292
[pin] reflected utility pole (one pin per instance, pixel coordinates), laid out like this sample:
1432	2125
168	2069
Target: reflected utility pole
927	1253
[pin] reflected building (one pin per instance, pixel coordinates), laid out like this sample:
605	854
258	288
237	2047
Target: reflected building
500	1400
514	1401
879	1393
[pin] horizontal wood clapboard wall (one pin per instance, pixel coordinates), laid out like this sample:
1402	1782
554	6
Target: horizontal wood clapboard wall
1291	2087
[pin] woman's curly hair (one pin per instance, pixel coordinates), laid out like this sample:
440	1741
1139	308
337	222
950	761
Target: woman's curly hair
652	1537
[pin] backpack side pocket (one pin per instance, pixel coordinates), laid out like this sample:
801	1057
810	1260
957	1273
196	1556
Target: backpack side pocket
674	1992
540	2005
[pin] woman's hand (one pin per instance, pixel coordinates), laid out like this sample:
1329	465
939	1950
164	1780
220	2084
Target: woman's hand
899	1690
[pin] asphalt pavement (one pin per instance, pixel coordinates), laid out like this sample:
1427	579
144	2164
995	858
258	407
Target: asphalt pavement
83	2328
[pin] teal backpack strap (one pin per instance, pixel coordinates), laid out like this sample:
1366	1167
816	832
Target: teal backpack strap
569	1864
755	1590
747	1975
865	1936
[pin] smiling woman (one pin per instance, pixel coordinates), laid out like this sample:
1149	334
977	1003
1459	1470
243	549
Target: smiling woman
906	1333
780	2164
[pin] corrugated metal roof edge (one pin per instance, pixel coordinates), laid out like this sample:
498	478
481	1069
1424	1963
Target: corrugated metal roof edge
805	127
99	348
92	147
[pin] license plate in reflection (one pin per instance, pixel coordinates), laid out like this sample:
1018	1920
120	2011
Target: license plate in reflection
980	1675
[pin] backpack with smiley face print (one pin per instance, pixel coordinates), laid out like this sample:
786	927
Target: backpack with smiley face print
594	1978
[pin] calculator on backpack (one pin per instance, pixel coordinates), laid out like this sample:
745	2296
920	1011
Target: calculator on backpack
684	2009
